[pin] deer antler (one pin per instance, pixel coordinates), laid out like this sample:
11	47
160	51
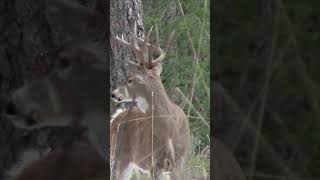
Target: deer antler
162	54
138	51
142	53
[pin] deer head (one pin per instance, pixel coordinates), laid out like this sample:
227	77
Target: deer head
144	76
76	74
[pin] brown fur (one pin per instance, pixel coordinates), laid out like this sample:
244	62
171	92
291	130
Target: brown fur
169	121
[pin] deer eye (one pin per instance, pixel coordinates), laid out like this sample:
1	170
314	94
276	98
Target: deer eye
130	80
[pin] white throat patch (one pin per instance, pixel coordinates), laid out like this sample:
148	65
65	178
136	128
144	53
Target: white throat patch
118	111
142	104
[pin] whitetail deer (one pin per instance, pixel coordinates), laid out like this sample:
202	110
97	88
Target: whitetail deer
156	137
78	161
73	88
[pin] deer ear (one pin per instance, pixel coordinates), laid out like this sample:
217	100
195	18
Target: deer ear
157	69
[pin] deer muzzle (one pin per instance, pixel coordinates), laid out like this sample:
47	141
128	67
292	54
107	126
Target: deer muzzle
117	96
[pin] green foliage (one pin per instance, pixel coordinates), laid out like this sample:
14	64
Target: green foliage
192	31
187	67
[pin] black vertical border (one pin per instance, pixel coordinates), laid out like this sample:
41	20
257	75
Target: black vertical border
108	83
212	60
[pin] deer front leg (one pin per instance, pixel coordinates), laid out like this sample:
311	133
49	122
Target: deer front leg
155	172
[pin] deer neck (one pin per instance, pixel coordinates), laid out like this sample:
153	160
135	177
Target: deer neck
158	98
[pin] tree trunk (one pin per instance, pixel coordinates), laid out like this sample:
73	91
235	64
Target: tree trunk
123	14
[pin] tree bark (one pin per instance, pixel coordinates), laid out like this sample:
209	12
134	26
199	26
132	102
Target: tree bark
123	15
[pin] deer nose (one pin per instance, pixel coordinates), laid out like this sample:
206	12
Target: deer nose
10	108
116	96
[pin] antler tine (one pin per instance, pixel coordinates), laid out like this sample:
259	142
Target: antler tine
145	44
169	40
156	47
143	51
126	44
157	38
135	47
162	54
135	31
122	41
135	43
